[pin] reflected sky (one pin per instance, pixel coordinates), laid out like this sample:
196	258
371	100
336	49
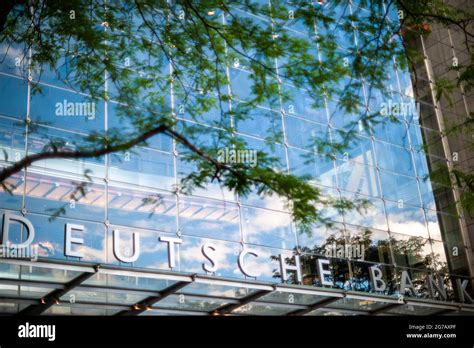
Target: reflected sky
384	165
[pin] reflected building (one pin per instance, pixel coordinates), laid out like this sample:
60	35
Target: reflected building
448	145
190	245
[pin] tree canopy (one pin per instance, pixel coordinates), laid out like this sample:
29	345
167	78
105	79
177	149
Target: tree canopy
166	67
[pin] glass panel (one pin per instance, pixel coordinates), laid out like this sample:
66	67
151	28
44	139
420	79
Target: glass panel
13	199
305	134
217	290
319	169
411	251
63	197
342	119
42	137
320	238
413	310
355	304
9	290
406	219
273	202
128	282
144	209
328	211
415	136
224	256
274	150
34	292
6	307
433	224
144	167
102	297
48	274
211	190
268	228
9	271
394	158
209	218
124	124
11	53
12	139
439	262
373	216
261	123
188	302
256	308
426	190
79	310
393	132
291	298
329	312
304	104
241	83
357	178
339	274
400	188
375	243
14	95
217	115
67	110
296	21
358	150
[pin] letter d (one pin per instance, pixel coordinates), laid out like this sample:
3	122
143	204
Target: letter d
9	217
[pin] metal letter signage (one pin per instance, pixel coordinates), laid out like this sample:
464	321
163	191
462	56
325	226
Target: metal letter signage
249	261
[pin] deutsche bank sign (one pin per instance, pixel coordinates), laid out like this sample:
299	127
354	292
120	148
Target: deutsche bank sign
290	266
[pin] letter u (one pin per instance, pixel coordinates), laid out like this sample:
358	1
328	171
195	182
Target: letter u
136	248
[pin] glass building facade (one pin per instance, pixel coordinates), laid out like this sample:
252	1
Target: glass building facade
444	49
400	230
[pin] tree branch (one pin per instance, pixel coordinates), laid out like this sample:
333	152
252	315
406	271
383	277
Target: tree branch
29	159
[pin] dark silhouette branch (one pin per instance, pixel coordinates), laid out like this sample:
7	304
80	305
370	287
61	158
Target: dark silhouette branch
6	6
29	159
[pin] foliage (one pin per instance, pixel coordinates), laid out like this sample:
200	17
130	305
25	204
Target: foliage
144	49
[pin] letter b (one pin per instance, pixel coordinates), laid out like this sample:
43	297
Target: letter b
376	278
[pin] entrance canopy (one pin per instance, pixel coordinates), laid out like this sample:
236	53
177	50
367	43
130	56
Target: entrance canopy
66	288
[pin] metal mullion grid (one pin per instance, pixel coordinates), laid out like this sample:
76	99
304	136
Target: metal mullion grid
27	122
417	177
329	126
229	90
344	232
466	106
283	124
461	87
447	152
175	155
190	278
377	168
107	167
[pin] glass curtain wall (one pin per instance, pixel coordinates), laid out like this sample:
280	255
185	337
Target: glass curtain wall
387	166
